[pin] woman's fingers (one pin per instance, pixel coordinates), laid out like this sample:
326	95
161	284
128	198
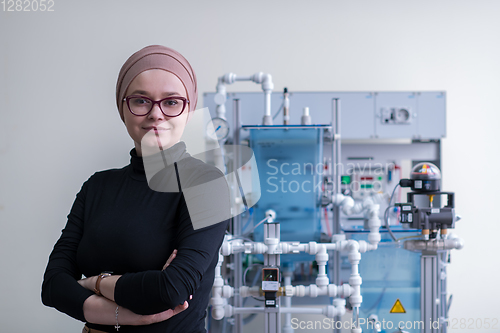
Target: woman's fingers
169	260
168	313
88	283
156	318
180	308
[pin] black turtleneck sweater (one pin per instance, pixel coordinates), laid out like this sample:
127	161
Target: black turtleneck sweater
117	223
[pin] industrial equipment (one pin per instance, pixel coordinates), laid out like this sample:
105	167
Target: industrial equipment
329	234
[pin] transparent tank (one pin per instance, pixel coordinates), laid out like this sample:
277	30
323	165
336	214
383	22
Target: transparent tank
291	168
389	274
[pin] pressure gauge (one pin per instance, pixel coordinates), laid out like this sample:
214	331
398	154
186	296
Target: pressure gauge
270	279
402	115
220	129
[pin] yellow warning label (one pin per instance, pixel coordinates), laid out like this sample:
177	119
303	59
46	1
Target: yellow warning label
398	307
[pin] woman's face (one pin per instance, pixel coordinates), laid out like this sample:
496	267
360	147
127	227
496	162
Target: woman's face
155	84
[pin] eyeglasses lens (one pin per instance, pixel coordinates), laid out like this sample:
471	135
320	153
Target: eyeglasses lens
141	106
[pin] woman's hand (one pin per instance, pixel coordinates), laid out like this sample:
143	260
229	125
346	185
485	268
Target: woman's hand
156	318
88	283
107	285
169	260
100	310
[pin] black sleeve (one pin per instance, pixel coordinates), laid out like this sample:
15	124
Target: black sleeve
60	288
152	292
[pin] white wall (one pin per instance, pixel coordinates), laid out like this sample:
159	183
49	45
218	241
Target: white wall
59	122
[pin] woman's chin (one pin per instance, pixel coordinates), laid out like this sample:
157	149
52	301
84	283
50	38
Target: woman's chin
151	144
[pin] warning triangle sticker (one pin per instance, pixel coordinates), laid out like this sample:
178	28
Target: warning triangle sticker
398	307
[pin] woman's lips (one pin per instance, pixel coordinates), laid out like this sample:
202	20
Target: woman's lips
156	128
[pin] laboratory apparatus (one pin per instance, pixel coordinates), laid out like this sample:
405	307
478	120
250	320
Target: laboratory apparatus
330	245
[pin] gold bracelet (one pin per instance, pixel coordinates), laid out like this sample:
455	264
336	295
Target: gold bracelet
101	276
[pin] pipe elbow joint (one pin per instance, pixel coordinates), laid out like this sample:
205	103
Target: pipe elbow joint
229	78
217	308
267	83
374	238
337	198
258	77
352	246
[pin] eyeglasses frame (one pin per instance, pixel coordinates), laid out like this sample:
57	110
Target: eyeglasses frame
184	100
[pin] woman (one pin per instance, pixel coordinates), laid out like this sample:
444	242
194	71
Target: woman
119	224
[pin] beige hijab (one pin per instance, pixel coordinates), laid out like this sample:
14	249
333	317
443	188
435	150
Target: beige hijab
157	57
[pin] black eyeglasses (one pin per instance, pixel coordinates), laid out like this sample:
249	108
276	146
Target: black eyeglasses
170	106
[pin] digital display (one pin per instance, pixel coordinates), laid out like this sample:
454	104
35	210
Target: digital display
345	180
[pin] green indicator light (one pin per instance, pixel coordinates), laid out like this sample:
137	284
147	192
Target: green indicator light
379	177
366	185
345	179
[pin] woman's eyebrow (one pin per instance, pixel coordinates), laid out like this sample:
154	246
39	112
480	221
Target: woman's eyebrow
138	92
166	94
173	93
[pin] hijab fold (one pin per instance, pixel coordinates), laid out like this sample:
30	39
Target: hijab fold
157	57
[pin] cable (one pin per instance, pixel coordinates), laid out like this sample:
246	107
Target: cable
239	237
264	220
327	223
386	223
386	217
450	299
409	237
250	218
255	280
246	271
278	112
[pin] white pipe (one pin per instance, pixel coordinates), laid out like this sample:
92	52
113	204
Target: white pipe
244	78
322	287
302	310
355	279
371	211
374	224
314	290
287	328
220	99
231	310
322	259
434	244
248	310
249	291
229	78
329	311
271	246
217	300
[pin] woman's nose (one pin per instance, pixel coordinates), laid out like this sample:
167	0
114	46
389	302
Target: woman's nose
156	113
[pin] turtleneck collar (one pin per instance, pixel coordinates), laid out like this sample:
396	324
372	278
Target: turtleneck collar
136	162
156	162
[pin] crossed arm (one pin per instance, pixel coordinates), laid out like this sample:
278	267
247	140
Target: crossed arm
144	297
101	309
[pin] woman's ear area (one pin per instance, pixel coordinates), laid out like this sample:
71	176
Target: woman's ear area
188	116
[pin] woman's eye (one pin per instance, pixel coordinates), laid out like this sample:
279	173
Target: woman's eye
140	101
171	102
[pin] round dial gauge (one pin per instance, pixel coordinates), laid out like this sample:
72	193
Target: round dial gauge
220	129
403	115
